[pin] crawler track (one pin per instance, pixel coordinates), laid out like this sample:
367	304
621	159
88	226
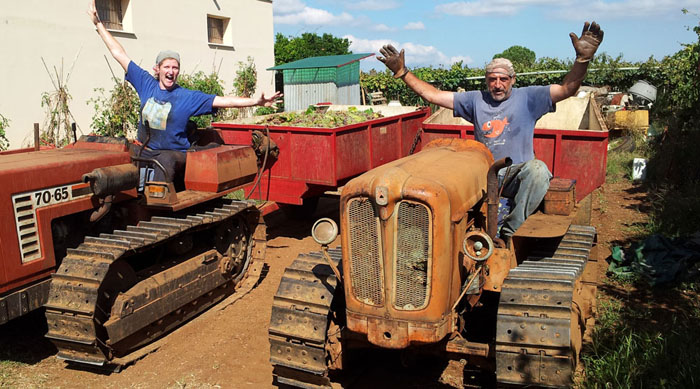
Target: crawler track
302	320
541	313
118	291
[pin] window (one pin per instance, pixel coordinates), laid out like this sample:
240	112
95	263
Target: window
111	13
216	29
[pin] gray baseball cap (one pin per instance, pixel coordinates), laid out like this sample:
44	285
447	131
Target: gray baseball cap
165	54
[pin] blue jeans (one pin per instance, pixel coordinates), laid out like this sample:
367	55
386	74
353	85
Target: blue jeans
172	160
526	183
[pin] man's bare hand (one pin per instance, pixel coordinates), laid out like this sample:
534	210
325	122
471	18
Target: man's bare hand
588	43
394	60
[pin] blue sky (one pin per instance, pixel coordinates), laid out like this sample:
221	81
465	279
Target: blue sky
440	32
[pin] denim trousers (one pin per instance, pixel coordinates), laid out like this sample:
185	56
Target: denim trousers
526	184
172	160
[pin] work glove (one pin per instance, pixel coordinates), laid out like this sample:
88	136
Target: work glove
588	43
393	60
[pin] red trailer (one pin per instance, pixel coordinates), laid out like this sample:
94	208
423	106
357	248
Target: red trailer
315	160
572	141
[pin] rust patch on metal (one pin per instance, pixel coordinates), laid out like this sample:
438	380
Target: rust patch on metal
539	225
560	199
220	168
497	268
459	345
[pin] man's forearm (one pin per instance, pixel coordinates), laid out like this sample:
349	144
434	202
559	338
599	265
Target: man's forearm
572	81
428	92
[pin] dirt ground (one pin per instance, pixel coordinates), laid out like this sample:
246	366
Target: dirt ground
228	348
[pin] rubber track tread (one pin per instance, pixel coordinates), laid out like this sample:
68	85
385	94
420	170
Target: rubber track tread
74	317
533	340
299	321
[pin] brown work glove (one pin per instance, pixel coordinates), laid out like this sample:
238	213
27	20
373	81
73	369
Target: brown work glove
393	60
588	43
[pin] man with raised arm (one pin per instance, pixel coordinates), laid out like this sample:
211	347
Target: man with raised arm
504	118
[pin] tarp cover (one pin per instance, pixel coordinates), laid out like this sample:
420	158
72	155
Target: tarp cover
658	259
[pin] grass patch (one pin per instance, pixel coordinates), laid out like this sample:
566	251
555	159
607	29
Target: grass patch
634	346
622	153
239	195
676	209
12	377
619	166
8	373
236	195
602	201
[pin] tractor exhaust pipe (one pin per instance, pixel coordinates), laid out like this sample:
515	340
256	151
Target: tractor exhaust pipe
492	194
106	182
112	179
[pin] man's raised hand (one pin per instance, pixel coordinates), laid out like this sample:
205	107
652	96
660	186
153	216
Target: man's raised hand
588	43
393	59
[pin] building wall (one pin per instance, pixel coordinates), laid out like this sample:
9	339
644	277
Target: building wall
60	32
300	96
349	94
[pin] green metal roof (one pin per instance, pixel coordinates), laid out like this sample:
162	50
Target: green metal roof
328	61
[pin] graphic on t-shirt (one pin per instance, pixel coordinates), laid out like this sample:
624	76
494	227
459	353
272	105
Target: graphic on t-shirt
156	113
495	126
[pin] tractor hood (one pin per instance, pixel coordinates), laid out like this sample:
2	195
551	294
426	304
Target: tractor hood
448	171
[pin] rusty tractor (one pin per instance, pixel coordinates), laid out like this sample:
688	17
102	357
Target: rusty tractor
420	269
115	268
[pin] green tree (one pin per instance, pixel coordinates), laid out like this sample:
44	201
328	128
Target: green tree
519	55
289	49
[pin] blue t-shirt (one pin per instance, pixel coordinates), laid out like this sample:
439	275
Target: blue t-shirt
167	112
507	127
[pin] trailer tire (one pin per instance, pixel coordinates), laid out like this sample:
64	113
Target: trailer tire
627	144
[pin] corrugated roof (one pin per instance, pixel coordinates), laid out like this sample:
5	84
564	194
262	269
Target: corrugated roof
328	61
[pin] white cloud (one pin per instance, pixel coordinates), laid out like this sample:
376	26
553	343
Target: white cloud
313	16
373	5
297	12
414	26
284	7
358	45
416	55
381	28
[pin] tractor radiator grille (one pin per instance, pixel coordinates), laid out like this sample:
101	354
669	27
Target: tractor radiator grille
412	256
25	220
365	248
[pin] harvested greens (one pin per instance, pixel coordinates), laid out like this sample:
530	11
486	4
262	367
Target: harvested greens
319	118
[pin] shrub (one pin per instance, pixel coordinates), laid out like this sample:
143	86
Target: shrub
207	83
116	114
4	124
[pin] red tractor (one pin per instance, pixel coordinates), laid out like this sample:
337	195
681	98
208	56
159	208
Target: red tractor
115	268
